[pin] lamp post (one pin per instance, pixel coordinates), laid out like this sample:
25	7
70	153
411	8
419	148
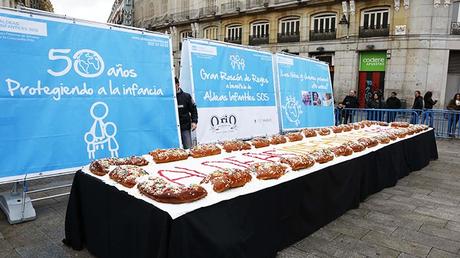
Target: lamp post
348	8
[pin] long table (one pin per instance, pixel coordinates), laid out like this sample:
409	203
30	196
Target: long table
112	223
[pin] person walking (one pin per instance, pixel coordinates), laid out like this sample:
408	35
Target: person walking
350	101
392	103
188	115
454	115
429	103
375	103
418	106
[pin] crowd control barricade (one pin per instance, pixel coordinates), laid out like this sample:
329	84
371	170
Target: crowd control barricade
445	122
351	115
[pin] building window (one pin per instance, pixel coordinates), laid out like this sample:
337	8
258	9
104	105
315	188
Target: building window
375	19
289	25
259	33
234	33
210	33
184	35
455	26
323	27
374	23
289	30
323	23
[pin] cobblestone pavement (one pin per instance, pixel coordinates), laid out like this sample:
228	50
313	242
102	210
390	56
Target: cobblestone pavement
419	217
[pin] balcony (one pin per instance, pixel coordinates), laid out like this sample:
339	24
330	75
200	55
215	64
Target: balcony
286	1
455	28
231	7
233	40
256	4
288	37
258	40
378	31
322	35
208	11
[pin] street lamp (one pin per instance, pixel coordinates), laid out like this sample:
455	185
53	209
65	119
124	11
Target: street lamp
348	8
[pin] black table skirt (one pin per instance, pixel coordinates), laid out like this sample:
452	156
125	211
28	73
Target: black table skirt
111	223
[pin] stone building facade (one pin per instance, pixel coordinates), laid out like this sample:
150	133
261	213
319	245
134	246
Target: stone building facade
386	45
44	5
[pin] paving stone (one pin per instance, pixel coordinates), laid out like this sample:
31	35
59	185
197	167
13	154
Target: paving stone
438	213
434	199
72	253
364	248
455	195
326	234
368	224
31	236
440	232
404	255
292	252
398	244
315	246
436	253
393	220
360	212
452	225
9	254
48	250
420	218
381	195
347	229
416	202
395	192
395	205
5	245
427	240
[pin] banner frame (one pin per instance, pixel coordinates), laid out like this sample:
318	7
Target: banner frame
278	88
25	12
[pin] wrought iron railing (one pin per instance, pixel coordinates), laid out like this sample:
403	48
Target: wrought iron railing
322	35
233	6
374	31
256	3
455	28
208	11
233	40
258	40
286	1
288	37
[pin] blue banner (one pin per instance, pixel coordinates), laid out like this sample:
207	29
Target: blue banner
71	92
305	92
233	88
228	76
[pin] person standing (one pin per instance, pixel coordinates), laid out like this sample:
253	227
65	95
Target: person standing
392	103
418	106
375	103
454	115
350	101
429	103
188	115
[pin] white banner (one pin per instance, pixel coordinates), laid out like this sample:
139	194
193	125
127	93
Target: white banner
217	124
233	88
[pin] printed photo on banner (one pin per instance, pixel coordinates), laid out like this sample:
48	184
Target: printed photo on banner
306	98
327	100
316	99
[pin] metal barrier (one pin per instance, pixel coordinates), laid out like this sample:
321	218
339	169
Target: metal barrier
444	122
